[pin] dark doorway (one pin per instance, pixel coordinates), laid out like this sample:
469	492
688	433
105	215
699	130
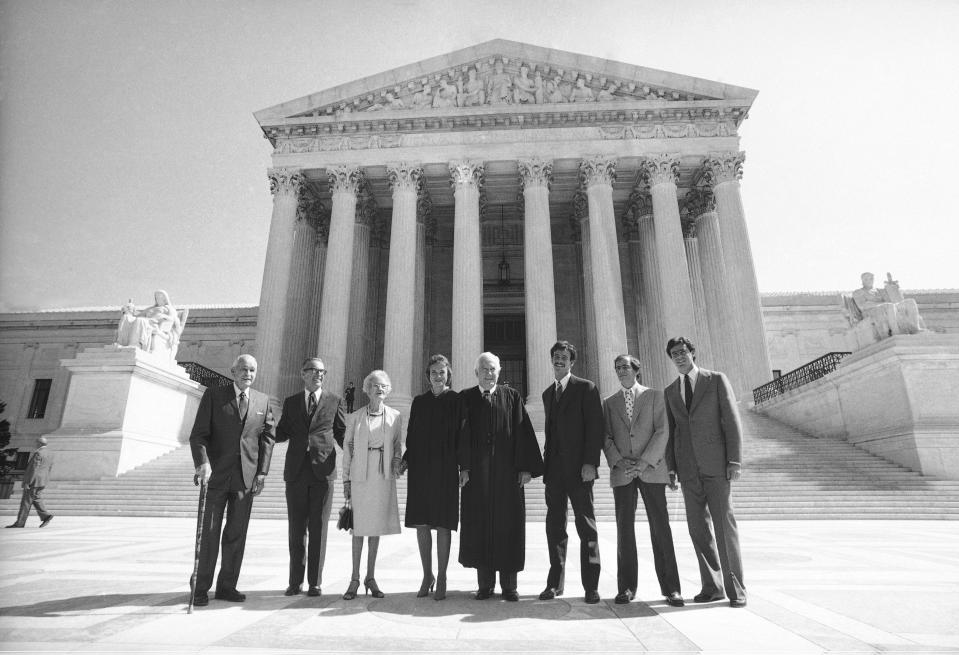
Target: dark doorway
505	336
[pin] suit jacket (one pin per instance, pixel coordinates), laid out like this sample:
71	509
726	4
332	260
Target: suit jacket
312	437
709	436
644	438
38	468
219	435
356	444
574	430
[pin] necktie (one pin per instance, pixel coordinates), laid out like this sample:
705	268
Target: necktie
628	395
688	389
244	405
312	404
559	390
487	397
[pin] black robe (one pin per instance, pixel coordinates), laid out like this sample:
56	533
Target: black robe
432	437
497	441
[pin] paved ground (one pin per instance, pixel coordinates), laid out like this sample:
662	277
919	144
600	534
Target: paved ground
120	584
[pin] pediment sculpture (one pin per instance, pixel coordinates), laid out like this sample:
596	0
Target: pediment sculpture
155	329
876	314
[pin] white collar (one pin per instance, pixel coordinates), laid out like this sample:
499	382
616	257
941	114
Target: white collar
492	389
693	375
636	388
563	380
316	394
237	391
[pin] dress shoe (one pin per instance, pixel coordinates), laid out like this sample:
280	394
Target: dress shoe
511	596
372	588
351	590
46	521
231	595
675	600
13	525
624	597
483	594
201	599
550	593
313	591
703	597
737	602
292	590
592	597
440	588
426	587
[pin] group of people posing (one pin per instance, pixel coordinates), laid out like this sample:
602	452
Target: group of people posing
468	456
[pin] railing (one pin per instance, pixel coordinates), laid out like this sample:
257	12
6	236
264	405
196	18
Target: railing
205	376
798	377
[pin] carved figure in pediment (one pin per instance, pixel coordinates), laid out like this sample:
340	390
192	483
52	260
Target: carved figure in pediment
524	89
445	95
472	92
606	95
554	92
499	87
155	329
422	98
581	93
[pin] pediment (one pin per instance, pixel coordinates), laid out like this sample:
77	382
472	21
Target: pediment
503	76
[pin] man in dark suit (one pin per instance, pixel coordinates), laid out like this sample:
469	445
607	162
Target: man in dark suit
312	421
232	443
705	450
574	438
635	447
35	478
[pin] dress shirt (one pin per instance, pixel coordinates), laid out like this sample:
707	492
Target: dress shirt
693	377
563	382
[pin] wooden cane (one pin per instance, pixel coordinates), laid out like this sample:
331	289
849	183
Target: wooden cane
199	539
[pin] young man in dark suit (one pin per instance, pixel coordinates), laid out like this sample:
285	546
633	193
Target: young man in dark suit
232	443
35	478
312	421
705	450
574	439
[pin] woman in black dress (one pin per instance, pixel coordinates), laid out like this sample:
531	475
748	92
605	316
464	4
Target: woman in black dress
432	501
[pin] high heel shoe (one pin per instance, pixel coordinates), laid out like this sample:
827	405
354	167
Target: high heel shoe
426	587
440	588
351	590
372	589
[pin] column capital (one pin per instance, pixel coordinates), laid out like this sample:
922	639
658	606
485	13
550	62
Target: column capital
597	170
344	178
404	176
722	167
365	205
661	168
535	173
698	201
579	212
640	204
285	180
466	173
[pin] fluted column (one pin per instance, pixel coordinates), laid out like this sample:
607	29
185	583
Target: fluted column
355	368
597	175
424	207
335	308
660	369
272	317
579	224
322	236
724	172
467	334
704	355
662	170
401	285
536	176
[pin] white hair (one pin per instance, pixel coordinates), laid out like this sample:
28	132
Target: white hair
490	356
236	362
369	379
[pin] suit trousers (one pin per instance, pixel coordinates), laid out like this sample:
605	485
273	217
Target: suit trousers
660	536
486	578
579	494
709	507
305	499
237	506
32	498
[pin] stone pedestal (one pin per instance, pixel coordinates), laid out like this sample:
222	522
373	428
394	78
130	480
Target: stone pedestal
895	398
124	408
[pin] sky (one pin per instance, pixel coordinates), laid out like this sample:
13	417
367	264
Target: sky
130	159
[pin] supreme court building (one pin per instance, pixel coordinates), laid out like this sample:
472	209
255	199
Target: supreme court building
498	198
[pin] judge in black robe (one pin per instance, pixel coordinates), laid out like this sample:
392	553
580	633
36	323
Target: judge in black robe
498	454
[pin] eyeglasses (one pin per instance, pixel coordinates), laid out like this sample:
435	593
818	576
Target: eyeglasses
623	367
679	353
314	371
376	385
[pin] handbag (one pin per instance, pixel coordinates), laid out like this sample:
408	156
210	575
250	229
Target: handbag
345	521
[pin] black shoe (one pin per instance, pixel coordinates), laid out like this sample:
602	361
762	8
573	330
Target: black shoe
550	593
592	597
292	590
372	588
737	602
703	597
13	525
351	590
511	596
46	521
624	597
201	599
313	591
483	594
231	595
675	600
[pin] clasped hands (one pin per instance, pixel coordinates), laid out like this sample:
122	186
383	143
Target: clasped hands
522	478
204	472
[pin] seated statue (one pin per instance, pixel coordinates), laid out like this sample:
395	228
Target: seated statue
471	92
155	329
887	312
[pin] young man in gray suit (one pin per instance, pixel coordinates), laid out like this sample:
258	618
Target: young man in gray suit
35	478
705	450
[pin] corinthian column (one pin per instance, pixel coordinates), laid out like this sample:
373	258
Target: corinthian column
401	286
335	309
466	178
678	319
724	172
535	176
272	319
597	175
660	369
356	366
